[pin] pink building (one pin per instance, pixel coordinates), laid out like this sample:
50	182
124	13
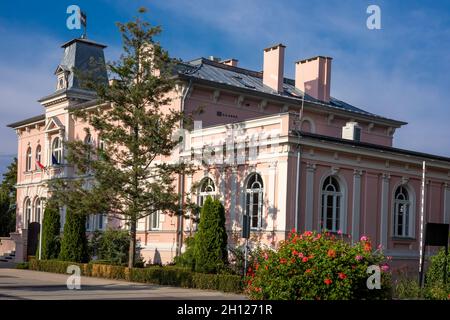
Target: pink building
334	167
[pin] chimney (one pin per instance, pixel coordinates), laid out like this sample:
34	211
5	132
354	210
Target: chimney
313	76
273	68
230	62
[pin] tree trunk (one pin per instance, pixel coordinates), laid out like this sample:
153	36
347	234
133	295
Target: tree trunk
132	251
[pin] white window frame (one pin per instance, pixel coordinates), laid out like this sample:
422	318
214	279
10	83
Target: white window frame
336	205
28	160
257	187
27	212
37	210
154	224
406	202
207	188
57	150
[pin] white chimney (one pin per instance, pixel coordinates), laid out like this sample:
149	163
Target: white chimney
273	68
351	131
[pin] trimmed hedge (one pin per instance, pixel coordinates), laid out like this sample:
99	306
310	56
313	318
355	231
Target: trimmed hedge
170	276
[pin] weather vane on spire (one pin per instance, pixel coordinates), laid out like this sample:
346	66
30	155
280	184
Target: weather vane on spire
83	20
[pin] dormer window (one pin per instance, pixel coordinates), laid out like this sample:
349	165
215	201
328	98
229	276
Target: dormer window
61	82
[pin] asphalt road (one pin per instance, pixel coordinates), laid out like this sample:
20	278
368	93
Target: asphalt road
25	284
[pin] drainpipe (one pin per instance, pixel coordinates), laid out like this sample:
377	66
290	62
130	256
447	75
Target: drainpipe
181	181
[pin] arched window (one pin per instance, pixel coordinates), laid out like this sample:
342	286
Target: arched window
27	212
28	160
207	188
38	156
331	204
37	210
254	200
402	207
56	151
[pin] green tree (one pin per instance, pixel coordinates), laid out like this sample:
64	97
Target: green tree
211	253
8	200
127	181
51	232
74	242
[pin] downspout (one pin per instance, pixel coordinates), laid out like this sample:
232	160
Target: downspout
181	180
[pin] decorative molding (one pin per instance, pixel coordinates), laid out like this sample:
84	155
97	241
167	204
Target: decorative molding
358	159
385	176
387	164
310	166
285	108
405	180
334	170
263	105
330	118
370	127
216	95
336	156
357	172
240	100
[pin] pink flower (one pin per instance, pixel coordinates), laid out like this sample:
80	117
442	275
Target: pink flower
385	268
359	257
305	259
342	275
266	256
327	281
389	257
339	232
364	238
300	255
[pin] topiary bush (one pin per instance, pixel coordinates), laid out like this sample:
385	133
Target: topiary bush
210	249
51	227
317	266
74	242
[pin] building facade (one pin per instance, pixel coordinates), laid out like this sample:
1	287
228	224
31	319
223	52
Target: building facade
280	150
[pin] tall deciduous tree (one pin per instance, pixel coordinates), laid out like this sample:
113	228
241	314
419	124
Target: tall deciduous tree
8	200
210	249
128	176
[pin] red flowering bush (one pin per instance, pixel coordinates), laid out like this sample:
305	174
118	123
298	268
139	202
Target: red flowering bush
317	266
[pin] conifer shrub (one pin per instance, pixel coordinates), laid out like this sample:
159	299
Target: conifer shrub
74	242
51	227
210	251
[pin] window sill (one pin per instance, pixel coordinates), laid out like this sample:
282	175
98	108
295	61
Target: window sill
403	239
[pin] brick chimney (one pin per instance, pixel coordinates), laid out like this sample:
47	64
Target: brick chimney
313	76
273	68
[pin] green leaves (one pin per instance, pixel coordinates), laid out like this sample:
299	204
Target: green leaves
74	241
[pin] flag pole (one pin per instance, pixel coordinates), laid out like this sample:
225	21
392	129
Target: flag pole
422	214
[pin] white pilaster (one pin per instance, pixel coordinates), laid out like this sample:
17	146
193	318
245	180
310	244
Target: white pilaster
446	203
233	200
272	212
384	214
309	203
282	196
356	204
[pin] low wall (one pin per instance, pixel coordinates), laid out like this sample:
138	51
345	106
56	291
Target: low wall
6	245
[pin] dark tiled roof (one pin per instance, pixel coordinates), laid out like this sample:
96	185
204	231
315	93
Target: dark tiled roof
372	146
211	71
40	117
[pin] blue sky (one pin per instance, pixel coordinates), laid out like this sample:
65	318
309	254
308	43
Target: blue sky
401	71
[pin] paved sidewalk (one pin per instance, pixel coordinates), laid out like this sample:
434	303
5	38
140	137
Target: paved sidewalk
27	284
